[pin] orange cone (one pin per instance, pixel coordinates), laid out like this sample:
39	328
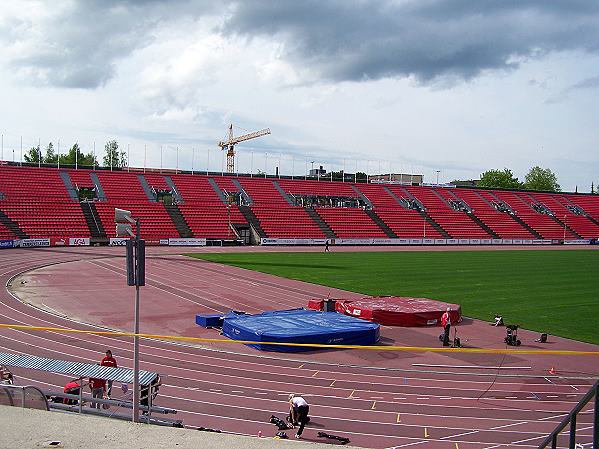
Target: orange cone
552	370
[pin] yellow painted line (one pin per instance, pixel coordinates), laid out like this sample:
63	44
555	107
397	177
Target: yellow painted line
373	405
305	345
425	432
351	395
301	366
398	418
314	375
333	383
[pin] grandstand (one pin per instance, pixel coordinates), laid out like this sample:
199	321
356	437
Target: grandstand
68	203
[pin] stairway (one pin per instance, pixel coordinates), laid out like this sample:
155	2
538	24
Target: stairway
253	221
283	193
483	225
12	226
66	179
523	223
179	220
147	190
96	228
568	228
434	224
99	190
381	224
325	228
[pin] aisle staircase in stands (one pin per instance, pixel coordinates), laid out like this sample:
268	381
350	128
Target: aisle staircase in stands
94	223
253	221
326	229
180	224
12	226
381	224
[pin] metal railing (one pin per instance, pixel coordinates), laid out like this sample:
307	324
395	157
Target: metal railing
23	396
571	421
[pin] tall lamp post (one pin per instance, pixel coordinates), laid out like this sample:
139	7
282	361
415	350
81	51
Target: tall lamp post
136	276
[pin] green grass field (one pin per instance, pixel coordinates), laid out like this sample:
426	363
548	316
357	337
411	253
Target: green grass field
550	291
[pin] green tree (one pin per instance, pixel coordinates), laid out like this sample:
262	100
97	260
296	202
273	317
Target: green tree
33	155
541	179
114	158
499	179
51	157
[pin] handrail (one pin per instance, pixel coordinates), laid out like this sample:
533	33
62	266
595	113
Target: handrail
571	420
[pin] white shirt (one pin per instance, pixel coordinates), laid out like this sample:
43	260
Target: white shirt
298	401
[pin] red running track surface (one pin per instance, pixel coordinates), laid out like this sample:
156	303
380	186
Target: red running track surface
378	399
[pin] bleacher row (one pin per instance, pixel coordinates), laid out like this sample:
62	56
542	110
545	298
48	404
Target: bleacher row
38	203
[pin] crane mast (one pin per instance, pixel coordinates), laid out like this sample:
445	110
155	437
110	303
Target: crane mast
231	141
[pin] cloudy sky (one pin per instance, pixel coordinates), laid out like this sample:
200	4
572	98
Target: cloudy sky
459	86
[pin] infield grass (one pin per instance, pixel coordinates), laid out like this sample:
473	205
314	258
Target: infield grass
547	291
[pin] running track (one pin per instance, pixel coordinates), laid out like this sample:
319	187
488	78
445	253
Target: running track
378	399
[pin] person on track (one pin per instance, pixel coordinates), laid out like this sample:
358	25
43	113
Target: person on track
110	361
97	387
446	323
298	412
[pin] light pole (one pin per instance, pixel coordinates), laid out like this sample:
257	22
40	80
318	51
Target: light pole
136	276
438	171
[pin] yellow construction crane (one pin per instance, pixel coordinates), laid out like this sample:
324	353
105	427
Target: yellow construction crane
230	143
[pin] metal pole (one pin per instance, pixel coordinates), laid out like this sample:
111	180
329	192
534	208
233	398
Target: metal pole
58	153
177	166
596	422
127	157
292	166
76	157
145	155
572	432
94	155
252	165
437	176
136	331
265	164
193	155
423	227
208	164
21	163
160	158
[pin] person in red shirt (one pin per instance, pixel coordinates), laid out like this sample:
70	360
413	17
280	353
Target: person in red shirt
98	387
109	360
71	388
446	323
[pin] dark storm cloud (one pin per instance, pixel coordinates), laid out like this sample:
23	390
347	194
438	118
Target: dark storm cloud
428	39
80	44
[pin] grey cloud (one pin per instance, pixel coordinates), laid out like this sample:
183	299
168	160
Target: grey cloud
432	41
79	44
426	39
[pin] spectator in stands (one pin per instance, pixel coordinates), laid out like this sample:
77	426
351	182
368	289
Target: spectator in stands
98	388
109	360
72	387
298	413
446	323
149	391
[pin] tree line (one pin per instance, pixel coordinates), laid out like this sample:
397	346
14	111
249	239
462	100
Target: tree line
113	157
536	179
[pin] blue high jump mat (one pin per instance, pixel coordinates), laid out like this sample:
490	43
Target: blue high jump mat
299	326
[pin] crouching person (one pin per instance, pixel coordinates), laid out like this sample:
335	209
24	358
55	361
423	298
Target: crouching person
298	412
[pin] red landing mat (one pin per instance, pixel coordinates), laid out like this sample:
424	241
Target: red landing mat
398	311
